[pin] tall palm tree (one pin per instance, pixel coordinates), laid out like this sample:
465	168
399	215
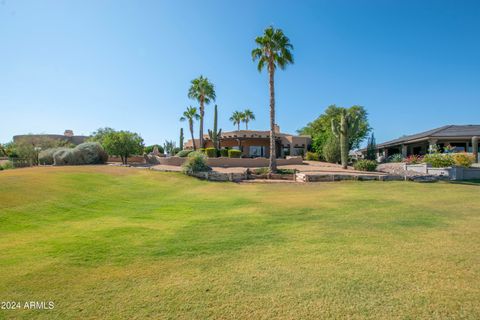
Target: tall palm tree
191	114
273	51
247	116
203	91
237	117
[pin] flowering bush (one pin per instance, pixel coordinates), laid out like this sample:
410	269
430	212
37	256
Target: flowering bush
463	159
414	159
439	160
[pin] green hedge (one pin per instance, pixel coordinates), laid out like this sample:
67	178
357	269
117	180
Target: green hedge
183	153
224	153
233	153
211	152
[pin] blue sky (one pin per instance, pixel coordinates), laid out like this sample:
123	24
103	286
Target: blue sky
86	64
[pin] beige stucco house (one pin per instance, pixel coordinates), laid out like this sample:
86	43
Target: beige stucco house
254	143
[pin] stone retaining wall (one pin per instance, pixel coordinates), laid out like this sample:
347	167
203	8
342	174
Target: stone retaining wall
233	162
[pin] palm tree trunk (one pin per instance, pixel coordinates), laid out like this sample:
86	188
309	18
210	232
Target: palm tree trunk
191	132
238	126
246	125
272	166
202	112
344	142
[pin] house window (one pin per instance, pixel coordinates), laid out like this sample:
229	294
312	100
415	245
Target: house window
459	146
257	151
298	151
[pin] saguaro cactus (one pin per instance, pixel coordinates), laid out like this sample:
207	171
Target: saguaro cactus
341	129
181	139
214	134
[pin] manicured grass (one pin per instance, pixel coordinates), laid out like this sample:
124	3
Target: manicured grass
122	243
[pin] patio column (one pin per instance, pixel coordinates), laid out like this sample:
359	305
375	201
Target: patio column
404	151
475	147
291	150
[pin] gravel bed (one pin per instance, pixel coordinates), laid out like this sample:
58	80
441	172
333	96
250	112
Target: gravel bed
397	168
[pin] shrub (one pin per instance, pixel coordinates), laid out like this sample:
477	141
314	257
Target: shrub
202	150
223	152
6	165
331	150
45	157
85	153
233	153
195	153
262	170
211	152
64	157
90	153
439	160
397	157
196	162
463	159
365	165
414	159
286	171
312	156
183	153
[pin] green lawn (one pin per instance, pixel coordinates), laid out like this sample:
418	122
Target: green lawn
122	243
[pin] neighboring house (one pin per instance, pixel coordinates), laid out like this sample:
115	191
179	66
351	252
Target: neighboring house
255	143
67	137
457	136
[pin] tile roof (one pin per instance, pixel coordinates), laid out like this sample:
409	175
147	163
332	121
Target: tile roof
445	131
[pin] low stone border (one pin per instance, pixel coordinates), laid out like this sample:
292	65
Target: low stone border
298	177
302	177
219	176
